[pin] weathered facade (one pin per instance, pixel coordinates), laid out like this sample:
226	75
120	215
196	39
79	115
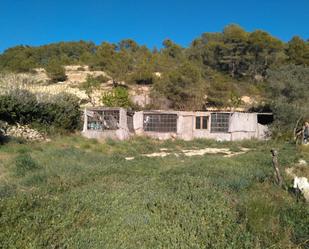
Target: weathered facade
226	126
104	122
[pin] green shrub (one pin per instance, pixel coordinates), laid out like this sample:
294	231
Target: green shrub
65	110
184	87
91	84
288	93
18	106
61	111
118	97
143	76
55	71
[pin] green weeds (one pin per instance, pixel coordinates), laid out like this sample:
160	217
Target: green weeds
79	193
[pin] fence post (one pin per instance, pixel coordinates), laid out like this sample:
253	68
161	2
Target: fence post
276	167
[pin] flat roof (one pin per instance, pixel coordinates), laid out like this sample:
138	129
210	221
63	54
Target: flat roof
194	112
102	108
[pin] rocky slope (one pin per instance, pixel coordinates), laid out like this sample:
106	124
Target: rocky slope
38	82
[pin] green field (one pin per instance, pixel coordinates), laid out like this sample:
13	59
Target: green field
78	193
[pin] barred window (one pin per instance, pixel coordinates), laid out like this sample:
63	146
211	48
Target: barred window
103	120
201	122
160	122
220	122
94	123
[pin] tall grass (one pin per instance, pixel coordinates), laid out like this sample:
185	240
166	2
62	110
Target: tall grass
78	193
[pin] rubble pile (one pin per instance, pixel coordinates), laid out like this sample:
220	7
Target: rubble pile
24	131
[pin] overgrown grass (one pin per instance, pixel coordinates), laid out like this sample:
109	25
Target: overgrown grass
79	193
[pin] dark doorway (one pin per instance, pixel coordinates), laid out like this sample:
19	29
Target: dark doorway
265	118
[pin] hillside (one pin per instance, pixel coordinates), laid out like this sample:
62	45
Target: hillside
78	193
232	69
38	82
154	124
217	69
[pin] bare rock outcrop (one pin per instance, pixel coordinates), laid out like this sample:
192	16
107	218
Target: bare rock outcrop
302	184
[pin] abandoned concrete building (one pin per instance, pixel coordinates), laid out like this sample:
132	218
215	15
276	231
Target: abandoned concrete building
104	122
119	123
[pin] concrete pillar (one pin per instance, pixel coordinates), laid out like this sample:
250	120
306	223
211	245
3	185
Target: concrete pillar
123	124
85	120
138	122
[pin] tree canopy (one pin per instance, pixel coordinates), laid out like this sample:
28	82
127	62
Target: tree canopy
220	66
288	94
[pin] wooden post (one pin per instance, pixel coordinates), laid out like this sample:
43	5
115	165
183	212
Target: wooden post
295	131
276	167
303	135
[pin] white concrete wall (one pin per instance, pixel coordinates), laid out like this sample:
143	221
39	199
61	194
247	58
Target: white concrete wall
185	127
201	133
241	135
262	131
100	135
161	135
121	133
123	124
138	123
85	120
220	136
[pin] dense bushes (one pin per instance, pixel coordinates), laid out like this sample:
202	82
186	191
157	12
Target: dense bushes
26	58
184	87
288	94
60	111
18	106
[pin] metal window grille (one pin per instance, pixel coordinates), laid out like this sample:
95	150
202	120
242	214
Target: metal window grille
160	122
198	123
94	123
103	120
205	122
220	122
201	122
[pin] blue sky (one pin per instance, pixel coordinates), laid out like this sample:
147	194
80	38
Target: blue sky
37	22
